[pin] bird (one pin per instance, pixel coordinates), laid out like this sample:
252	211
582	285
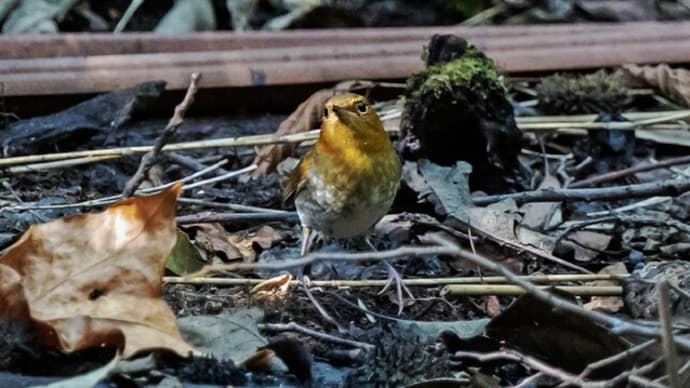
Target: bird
348	180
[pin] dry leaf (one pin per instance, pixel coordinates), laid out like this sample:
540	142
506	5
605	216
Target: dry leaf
95	279
676	137
610	304
490	305
674	83
213	238
265	237
538	215
275	287
306	117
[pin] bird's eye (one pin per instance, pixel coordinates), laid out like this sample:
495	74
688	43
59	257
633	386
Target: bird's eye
361	106
325	112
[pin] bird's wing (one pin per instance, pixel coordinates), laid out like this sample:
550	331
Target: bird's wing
296	179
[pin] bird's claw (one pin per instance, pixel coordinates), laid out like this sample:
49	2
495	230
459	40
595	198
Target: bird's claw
394	277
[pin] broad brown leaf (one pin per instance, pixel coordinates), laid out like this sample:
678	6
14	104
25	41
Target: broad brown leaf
95	279
674	83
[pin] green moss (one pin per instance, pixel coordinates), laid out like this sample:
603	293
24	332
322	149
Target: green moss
472	71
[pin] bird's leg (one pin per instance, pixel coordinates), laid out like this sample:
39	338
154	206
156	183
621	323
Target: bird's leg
306	239
393	278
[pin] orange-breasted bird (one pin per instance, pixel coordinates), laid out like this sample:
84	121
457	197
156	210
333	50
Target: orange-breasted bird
347	181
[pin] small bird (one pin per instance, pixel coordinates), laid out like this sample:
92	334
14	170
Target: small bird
347	181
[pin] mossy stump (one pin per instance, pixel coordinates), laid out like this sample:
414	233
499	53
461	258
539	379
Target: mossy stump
457	109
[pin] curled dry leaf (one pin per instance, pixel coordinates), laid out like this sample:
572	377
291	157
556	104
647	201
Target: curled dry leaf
674	83
95	279
276	287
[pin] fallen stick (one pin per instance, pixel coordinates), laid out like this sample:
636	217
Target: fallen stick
408	282
512	290
666	187
614	175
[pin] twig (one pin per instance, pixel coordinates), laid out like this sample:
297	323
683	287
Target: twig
251	140
414	251
235	217
317	305
669	346
508	354
653	201
645	382
609	361
616	125
526	248
292	326
107	200
510	290
231	206
33	167
666	187
190	163
434	282
151	157
129	12
613	175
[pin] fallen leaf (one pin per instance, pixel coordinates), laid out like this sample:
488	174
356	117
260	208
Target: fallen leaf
95	279
665	136
618	10
539	214
244	241
430	331
306	117
185	257
674	83
275	288
213	238
188	16
610	304
232	334
37	16
490	306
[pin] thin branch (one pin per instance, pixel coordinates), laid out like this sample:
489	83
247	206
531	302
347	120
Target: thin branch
236	217
434	282
613	175
129	12
414	251
151	157
666	187
508	354
669	346
292	326
510	290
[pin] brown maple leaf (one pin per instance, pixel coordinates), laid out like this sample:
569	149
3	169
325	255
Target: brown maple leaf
95	279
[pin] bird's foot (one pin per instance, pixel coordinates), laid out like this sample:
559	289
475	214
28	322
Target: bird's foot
395	278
